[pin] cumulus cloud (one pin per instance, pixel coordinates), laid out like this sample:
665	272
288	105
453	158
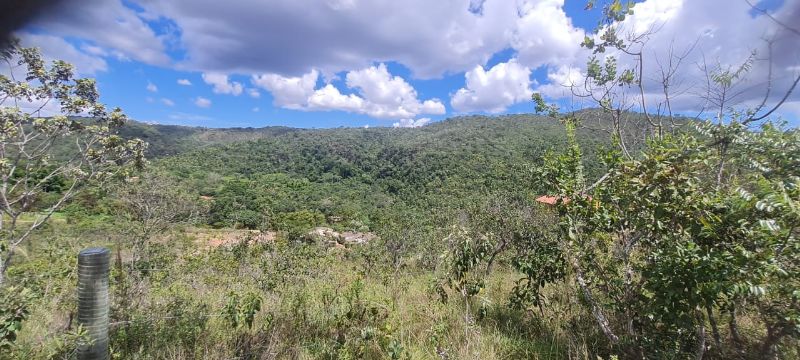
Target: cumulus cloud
387	96
184	82
494	90
94	50
725	35
152	87
253	93
560	81
109	24
694	33
54	47
202	102
222	85
411	123
544	34
167	102
288	92
40	107
377	94
430	37
329	98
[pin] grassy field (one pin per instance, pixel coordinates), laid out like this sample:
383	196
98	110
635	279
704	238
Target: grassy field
315	303
251	299
29	218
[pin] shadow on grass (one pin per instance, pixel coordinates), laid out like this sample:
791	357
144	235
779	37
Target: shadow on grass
521	334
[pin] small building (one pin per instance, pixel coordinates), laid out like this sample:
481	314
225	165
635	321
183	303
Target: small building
552	200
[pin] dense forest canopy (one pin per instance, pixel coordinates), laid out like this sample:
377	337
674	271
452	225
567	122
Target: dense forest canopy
348	173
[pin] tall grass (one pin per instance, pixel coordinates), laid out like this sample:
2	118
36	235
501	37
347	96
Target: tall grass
317	303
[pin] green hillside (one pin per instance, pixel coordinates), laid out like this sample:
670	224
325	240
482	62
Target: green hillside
166	140
351	173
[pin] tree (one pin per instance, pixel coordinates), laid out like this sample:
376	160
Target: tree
693	225
153	202
75	148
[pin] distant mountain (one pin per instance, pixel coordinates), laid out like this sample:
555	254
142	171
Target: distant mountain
475	153
166	140
361	174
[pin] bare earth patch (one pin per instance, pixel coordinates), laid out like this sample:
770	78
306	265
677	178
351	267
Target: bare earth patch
214	238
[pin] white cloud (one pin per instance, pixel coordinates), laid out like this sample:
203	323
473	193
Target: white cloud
329	98
724	34
202	102
256	109
544	34
109	24
152	87
167	102
288	92
560	81
222	85
430	37
717	32
377	94
387	96
94	50
503	85
411	123
649	15
184	82
56	48
39	107
254	93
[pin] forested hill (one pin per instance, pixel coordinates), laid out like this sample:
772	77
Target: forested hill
166	140
352	173
437	150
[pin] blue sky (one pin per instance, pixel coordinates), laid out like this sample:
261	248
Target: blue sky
331	63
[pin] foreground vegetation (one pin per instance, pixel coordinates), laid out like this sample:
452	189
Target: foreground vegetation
291	301
454	273
660	237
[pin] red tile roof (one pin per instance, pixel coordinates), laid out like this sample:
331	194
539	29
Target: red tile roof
552	200
546	199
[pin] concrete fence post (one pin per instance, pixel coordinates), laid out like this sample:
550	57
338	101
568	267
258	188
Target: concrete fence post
93	304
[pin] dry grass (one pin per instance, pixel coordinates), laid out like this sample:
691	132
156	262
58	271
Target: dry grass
301	317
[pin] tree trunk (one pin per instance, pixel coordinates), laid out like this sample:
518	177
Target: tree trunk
497	250
714	328
701	338
3	268
769	347
596	310
734	329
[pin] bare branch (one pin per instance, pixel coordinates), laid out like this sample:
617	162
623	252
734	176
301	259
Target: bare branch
765	12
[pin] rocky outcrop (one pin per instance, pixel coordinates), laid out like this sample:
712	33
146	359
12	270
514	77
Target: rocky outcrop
351	237
333	238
